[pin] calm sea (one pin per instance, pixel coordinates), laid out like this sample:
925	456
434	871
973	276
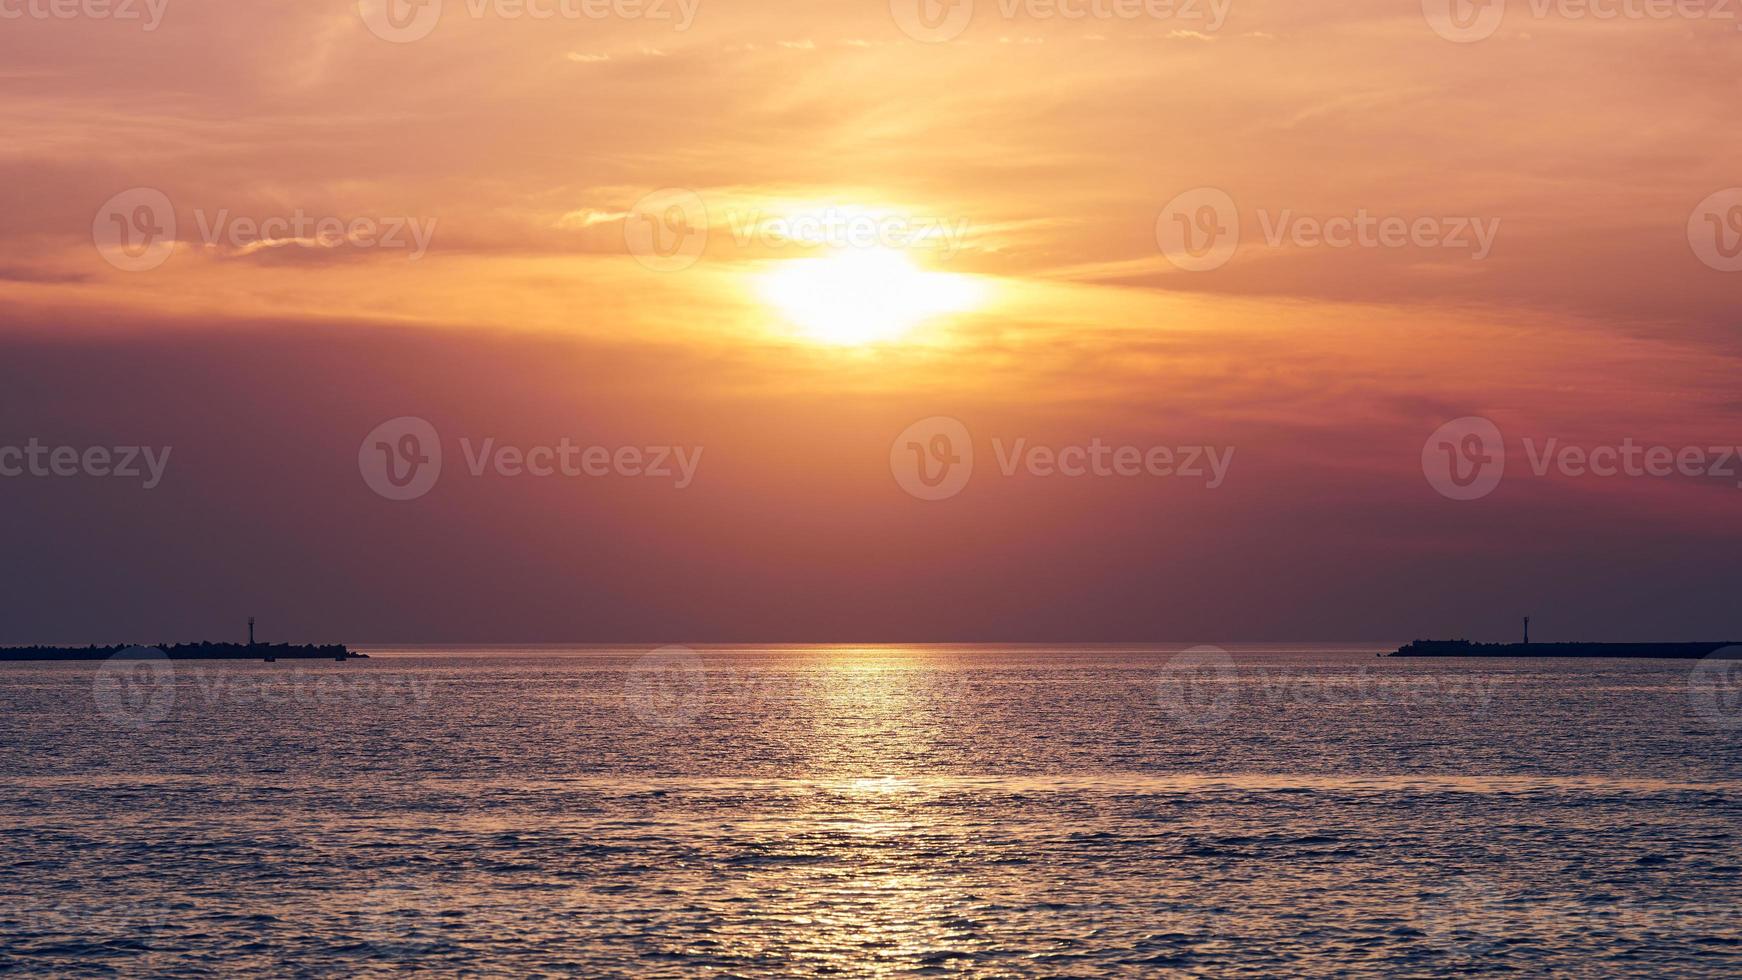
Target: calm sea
801	811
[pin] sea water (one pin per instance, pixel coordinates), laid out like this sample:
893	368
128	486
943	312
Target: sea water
844	810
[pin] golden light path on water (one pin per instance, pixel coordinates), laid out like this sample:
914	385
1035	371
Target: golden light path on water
870	810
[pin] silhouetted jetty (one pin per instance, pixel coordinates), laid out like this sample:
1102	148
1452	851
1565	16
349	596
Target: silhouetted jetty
269	652
1648	651
192	651
1653	651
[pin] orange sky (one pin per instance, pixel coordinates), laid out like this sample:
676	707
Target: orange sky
1029	161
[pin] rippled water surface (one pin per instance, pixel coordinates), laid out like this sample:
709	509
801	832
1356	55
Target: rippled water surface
850	811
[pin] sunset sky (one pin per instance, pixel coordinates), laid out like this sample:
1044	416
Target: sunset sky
1021	172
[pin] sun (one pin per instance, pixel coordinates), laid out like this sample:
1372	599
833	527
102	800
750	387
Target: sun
863	296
